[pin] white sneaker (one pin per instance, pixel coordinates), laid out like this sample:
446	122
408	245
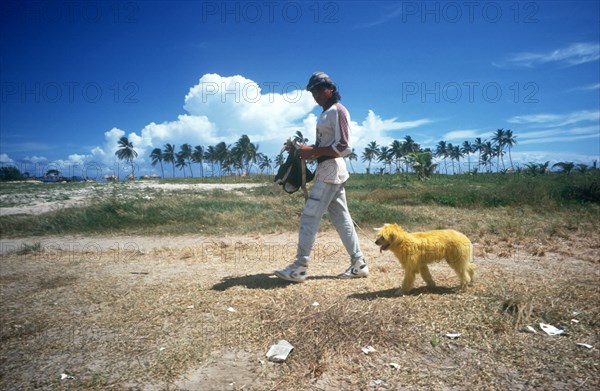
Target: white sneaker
293	273
357	269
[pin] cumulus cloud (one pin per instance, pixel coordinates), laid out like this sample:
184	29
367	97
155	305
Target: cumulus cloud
236	106
373	127
35	159
223	109
5	159
220	108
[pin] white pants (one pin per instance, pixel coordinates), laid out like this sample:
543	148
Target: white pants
332	198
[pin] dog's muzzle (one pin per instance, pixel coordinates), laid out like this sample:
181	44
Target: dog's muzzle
382	244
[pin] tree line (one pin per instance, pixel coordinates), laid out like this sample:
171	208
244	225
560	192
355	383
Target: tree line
227	159
407	155
404	155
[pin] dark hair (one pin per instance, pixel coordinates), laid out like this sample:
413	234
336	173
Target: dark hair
335	96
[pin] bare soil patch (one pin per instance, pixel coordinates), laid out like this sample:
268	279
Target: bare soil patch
195	312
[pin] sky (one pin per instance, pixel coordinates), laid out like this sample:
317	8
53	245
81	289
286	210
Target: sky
75	76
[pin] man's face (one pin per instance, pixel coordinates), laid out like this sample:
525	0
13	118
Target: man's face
322	95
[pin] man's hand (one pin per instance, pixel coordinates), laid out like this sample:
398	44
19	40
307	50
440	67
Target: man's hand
307	152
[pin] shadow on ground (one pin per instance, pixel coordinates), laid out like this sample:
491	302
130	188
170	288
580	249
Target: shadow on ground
391	293
260	281
253	281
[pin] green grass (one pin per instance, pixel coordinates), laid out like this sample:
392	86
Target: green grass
496	203
483	190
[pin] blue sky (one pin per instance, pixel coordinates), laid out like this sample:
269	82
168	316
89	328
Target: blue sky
75	76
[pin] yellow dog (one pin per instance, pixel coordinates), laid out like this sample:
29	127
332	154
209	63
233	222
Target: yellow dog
416	250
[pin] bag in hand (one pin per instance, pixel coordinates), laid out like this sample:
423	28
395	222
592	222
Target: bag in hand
289	174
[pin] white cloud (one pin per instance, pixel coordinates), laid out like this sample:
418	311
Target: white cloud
35	159
461	135
224	108
373	127
521	158
77	159
551	128
5	159
556	119
589	87
236	106
97	151
574	54
560	135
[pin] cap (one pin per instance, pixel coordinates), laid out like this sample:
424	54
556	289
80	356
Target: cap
317	79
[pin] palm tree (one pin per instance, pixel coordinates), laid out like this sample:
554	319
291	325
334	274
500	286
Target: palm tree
537	168
478	147
487	154
422	164
222	157
299	138
499	139
467	149
450	153
126	152
264	163
370	153
441	151
455	154
210	155
186	154
510	141
245	152
350	157
582	168
410	146
157	157
566	167
397	151
169	155
385	156
198	157
181	163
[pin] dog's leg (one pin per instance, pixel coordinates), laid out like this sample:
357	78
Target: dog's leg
471	270
424	271
464	275
471	265
409	281
461	267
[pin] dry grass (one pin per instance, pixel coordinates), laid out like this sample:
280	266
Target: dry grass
152	318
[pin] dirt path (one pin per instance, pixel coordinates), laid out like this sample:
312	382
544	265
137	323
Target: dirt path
194	312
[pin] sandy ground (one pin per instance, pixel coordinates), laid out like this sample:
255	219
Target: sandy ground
155	313
83	282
